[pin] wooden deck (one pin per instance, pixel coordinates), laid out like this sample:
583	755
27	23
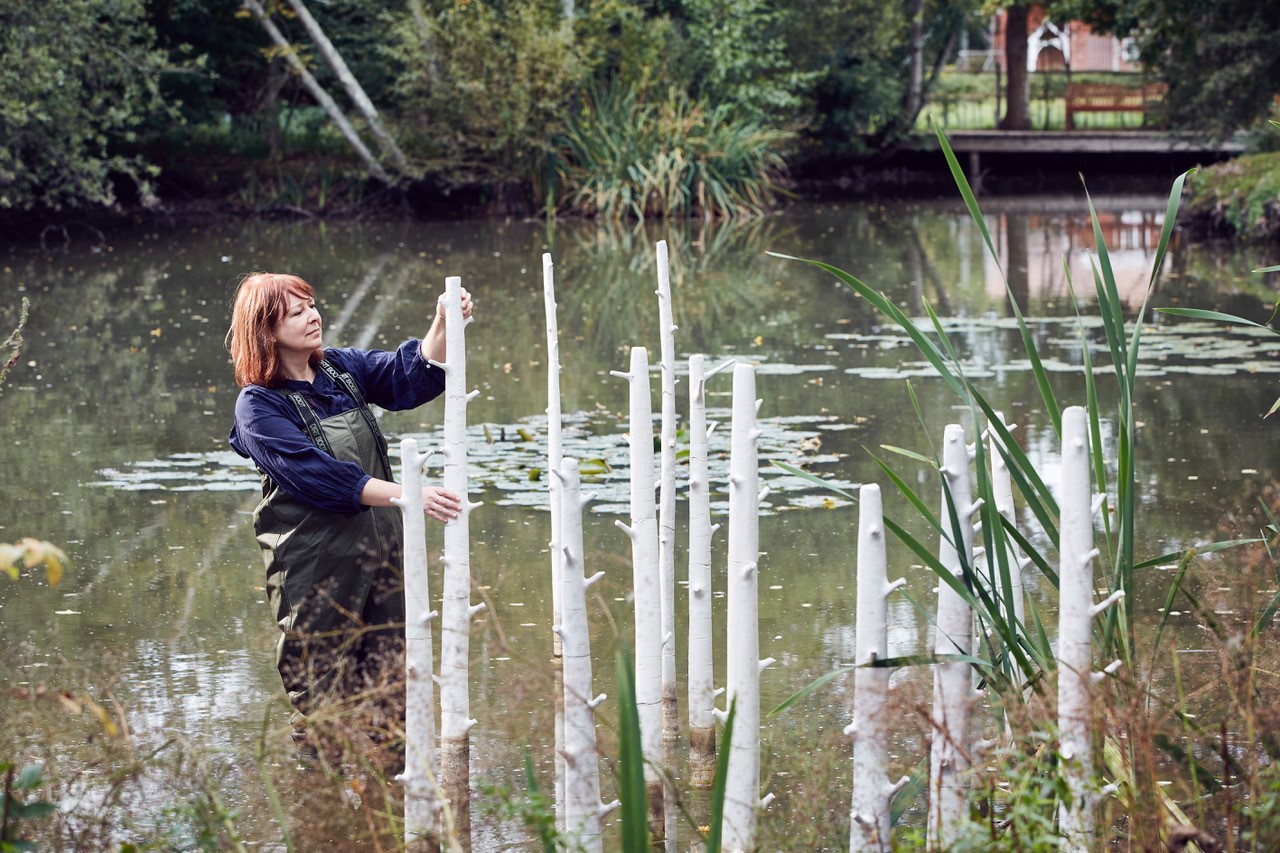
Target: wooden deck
1050	142
984	152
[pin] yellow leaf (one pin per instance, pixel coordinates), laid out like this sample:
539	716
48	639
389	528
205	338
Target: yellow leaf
108	724
53	570
828	503
155	333
759	339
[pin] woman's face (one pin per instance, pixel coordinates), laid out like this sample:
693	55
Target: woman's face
298	330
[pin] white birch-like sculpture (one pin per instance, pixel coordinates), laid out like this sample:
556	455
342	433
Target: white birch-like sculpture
1002	490
643	532
582	808
951	751
457	610
742	788
667	498
702	690
554	455
872	790
420	776
1075	643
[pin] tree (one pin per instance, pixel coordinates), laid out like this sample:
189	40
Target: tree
1220	58
78	79
1017	115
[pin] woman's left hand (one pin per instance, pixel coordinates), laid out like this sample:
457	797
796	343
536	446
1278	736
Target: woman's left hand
467	305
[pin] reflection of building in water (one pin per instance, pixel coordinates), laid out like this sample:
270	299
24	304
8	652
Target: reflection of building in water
1032	248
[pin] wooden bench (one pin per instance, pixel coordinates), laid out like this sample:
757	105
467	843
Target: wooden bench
1112	98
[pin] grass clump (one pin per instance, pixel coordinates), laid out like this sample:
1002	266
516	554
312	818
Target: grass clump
624	156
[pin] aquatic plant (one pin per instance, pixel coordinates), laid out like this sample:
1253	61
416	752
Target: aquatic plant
623	156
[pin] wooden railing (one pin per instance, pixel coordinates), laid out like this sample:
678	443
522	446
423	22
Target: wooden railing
1111	98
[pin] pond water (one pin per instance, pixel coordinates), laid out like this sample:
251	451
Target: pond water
114	426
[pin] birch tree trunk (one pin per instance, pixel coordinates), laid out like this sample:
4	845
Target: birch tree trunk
951	752
742	788
872	791
667	499
354	90
643	532
331	108
421	774
554	456
455	644
702	724
583	808
1075	634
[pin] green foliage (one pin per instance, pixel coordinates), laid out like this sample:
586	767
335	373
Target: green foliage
486	86
624	156
1242	195
77	80
633	794
17	807
738	57
532	808
630	46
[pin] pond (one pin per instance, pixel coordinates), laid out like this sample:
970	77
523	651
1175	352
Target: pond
114	427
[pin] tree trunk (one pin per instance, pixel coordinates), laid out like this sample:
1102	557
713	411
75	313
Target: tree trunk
317	91
1018	112
915	73
356	92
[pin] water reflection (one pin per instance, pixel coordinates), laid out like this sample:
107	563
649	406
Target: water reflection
125	371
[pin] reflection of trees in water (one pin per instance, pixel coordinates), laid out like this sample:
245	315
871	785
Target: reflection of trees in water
1218	276
722	284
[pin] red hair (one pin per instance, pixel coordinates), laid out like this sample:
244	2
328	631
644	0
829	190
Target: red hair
261	301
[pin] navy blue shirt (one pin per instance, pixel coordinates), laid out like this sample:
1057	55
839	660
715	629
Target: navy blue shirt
269	430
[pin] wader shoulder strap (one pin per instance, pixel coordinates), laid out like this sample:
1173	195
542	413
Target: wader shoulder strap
353	390
314	431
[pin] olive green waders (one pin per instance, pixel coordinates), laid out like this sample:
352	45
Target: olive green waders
334	582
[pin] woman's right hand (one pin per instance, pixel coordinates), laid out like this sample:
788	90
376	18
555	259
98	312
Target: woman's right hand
439	504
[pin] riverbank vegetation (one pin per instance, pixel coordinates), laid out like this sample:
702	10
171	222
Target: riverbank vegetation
504	106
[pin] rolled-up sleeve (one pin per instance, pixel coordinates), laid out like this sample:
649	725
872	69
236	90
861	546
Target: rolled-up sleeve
277	443
393	380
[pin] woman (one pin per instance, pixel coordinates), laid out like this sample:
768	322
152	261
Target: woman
329	533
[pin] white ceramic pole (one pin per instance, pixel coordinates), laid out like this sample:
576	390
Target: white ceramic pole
951	752
643	532
554	455
742	788
667	499
1075	622
583	808
872	790
455	643
420	776
702	691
